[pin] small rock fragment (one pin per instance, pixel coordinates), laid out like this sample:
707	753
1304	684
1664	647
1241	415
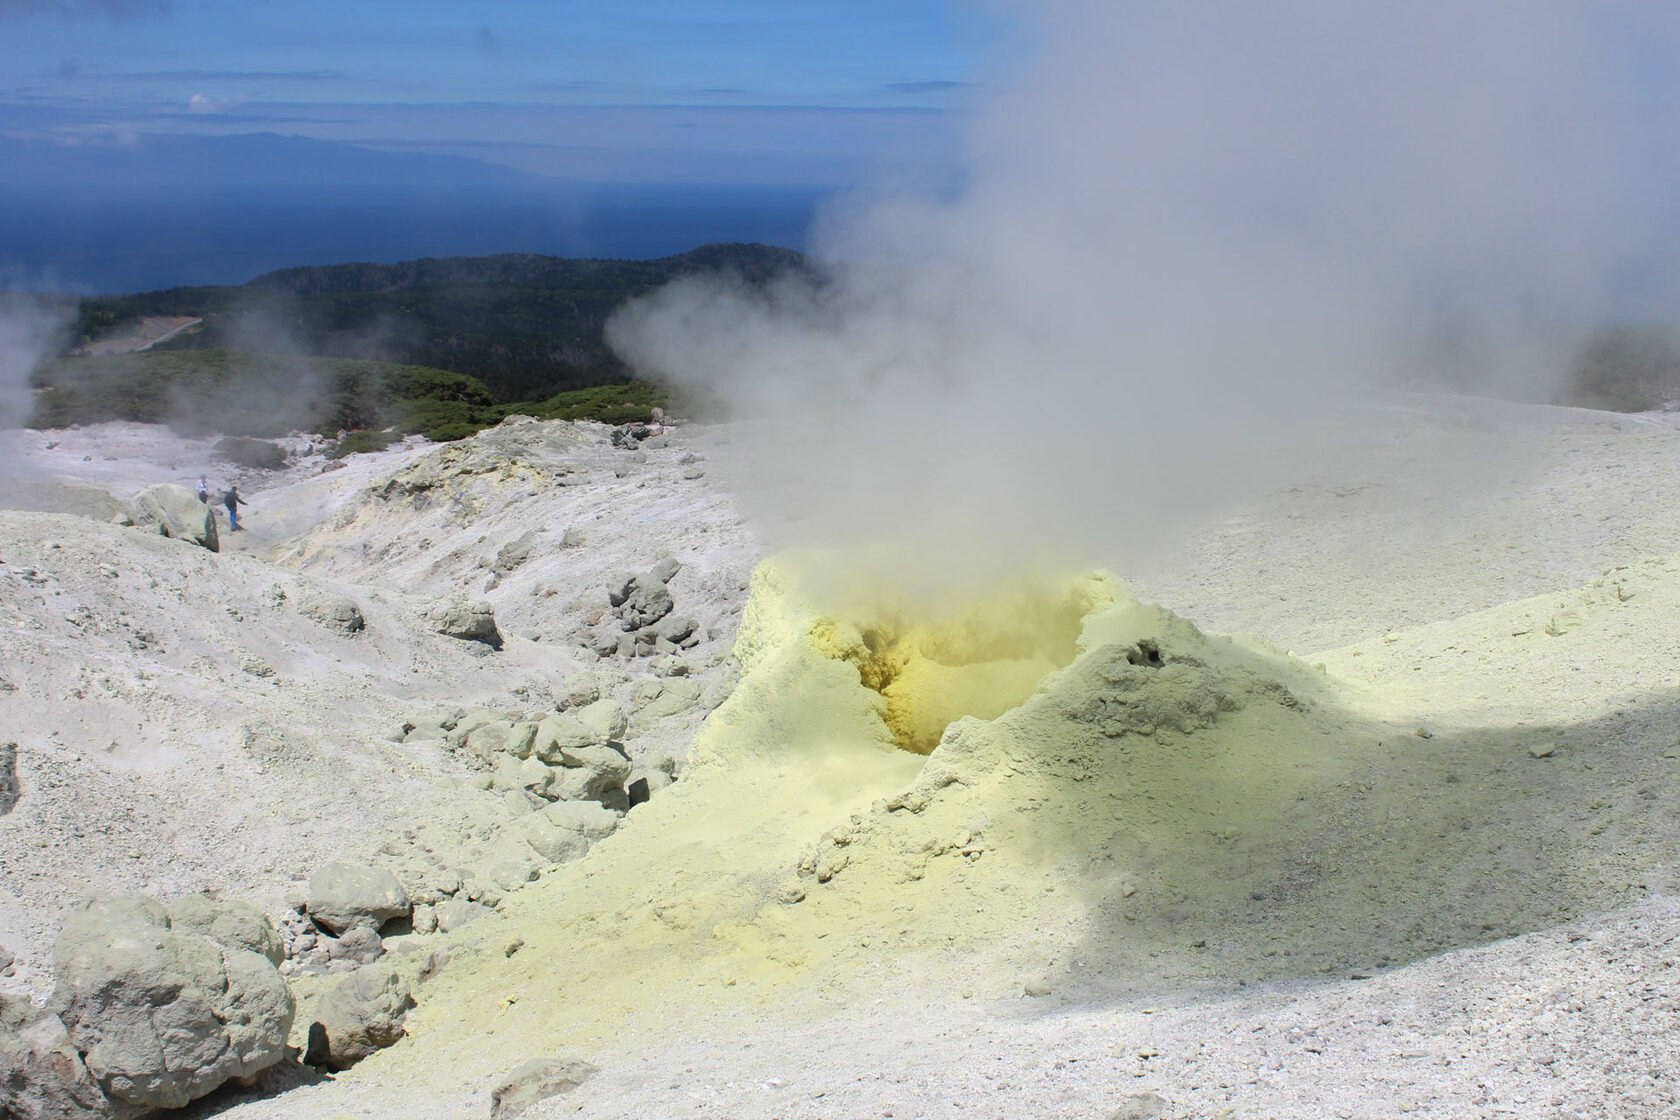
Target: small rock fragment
9	792
536	1080
1562	623
515	552
1140	1106
335	612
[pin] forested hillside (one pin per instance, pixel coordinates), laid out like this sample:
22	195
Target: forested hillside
528	326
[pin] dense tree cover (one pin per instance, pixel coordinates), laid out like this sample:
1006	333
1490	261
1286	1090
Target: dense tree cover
266	395
1628	368
527	326
243	394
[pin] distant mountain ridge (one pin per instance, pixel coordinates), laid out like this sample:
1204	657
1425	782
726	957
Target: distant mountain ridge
527	325
150	212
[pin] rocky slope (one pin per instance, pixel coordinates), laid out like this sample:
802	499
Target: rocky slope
1153	872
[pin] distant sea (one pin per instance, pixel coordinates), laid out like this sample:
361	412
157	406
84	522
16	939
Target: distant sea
89	242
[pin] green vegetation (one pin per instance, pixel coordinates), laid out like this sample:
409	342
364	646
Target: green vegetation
526	326
1625	368
248	452
440	347
240	394
266	395
354	442
630	403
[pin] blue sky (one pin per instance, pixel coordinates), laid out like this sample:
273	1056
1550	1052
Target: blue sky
798	91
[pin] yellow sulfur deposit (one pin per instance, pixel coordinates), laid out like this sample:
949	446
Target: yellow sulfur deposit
1053	788
980	661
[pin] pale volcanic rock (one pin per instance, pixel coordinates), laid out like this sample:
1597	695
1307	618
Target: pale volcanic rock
360	1014
163	1014
1241	879
174	511
346	896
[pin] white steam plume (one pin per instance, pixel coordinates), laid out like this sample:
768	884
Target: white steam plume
1187	227
30	329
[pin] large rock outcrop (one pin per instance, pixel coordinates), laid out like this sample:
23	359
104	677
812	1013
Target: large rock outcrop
174	511
167	1004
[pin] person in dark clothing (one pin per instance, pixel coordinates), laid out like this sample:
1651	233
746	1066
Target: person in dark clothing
233	501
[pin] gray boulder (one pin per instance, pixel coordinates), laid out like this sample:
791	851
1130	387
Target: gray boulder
335	612
677	629
630	436
163	1016
454	913
501	867
343	896
642	600
501	737
591	774
620	585
432	725
536	1080
515	552
234	924
649	775
603	719
647	604
469	721
359	945
41	1075
467	621
360	1014
566	830
582	689
563	731
528	773
669	697
175	512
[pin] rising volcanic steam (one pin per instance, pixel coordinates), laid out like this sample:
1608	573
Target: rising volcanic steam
29	329
1186	229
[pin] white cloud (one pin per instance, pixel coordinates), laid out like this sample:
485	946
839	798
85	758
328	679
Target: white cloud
203	103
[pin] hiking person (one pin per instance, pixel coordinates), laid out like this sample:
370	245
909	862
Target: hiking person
233	501
204	489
